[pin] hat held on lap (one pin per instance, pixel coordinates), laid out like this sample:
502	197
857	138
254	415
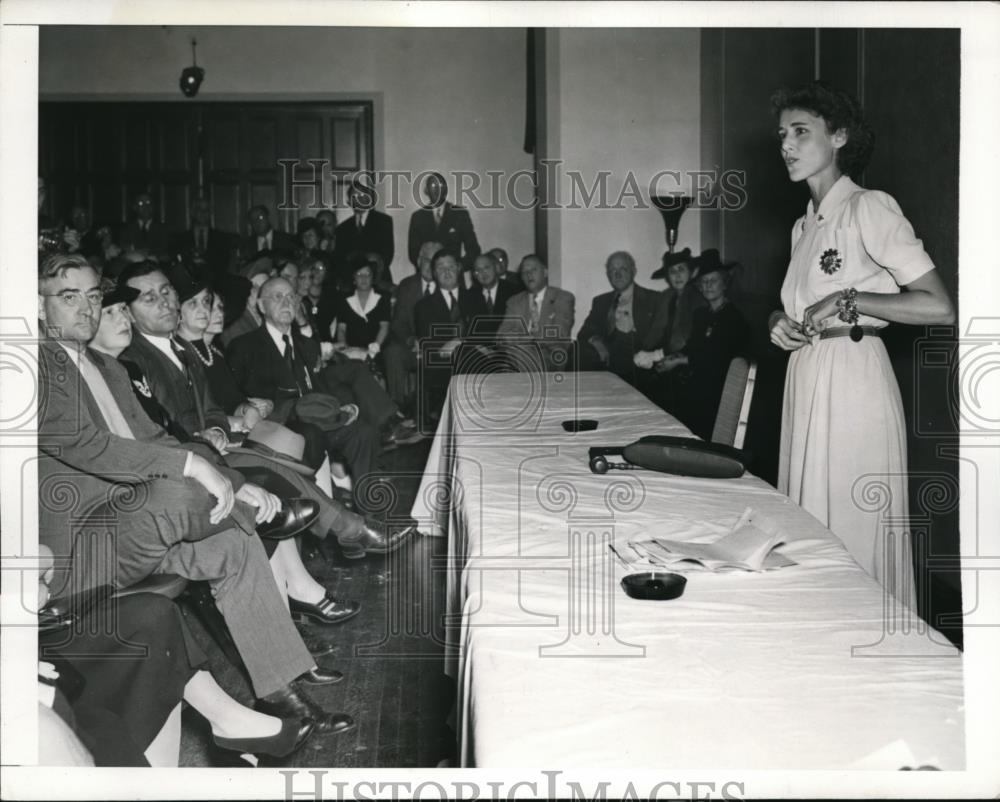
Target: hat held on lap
278	443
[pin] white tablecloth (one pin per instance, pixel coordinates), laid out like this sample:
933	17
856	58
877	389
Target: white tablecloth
787	669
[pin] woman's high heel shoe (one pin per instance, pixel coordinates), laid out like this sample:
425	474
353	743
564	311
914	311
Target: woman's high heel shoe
293	734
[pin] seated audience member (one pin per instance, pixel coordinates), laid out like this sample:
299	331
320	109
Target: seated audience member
311	292
719	332
363	317
264	238
281	364
441	322
256	272
191	521
621	322
400	353
366	230
682	298
202	244
541	316
489	295
145	234
91	243
442	222
133	661
327	220
511	277
382	280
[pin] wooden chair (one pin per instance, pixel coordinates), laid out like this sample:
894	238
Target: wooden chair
734	408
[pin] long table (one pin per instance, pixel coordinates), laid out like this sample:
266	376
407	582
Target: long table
805	667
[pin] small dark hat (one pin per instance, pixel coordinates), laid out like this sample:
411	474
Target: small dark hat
671	259
119	294
710	262
184	282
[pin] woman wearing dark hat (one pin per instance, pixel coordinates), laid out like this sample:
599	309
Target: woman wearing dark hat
681	298
719	332
852	253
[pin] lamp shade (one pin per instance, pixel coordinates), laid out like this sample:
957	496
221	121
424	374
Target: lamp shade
671	207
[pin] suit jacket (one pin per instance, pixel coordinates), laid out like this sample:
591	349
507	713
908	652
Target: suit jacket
376	236
432	316
674	318
244	324
403	326
483	322
648	321
186	398
156	240
218	252
556	316
282	244
79	452
455	233
263	372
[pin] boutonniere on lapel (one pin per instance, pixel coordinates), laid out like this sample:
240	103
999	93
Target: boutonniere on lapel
830	261
142	387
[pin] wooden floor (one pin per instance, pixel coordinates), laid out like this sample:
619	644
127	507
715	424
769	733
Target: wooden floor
391	654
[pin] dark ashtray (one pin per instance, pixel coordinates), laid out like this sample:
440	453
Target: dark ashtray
655	587
580	425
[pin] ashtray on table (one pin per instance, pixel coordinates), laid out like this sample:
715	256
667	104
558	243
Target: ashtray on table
654	586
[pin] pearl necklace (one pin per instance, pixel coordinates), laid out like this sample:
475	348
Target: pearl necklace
210	350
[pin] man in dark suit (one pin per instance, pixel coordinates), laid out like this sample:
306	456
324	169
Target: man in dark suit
539	321
441	323
145	233
366	230
143	505
400	351
511	277
444	223
203	244
621	322
488	297
264	238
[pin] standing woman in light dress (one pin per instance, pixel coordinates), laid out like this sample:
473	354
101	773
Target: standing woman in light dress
855	267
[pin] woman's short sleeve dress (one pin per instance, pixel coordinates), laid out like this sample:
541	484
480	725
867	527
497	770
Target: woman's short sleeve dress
843	434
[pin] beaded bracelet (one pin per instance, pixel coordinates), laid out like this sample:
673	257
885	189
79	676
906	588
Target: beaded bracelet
848	306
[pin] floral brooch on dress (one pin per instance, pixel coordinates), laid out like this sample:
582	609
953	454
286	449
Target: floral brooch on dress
830	261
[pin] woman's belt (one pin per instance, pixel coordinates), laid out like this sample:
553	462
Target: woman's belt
854	332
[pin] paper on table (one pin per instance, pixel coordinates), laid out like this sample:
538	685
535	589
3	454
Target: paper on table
748	546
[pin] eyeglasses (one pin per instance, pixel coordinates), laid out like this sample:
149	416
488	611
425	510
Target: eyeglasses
75	298
281	298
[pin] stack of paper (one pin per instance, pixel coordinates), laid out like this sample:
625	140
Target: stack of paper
749	546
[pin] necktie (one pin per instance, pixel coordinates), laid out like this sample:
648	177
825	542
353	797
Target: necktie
489	301
455	312
184	359
292	363
535	316
427	288
359	219
106	403
438	211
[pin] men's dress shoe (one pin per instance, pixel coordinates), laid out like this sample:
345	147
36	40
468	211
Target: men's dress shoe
404	434
321	676
376	541
292	702
318	647
295	516
328	611
293	734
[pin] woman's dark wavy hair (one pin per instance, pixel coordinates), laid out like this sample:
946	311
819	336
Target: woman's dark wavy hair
839	110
